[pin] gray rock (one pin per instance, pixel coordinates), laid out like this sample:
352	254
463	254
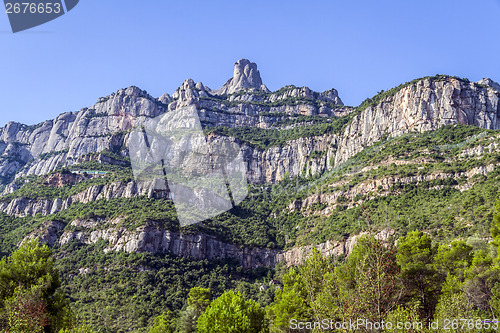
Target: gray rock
305	93
48	233
246	76
490	83
424	106
21	207
153	238
69	138
165	98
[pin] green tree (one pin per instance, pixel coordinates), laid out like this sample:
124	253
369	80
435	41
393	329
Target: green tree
164	323
401	314
79	329
30	288
231	313
373	275
416	256
313	272
454	258
291	302
482	286
27	312
188	319
367	285
454	308
198	300
495	230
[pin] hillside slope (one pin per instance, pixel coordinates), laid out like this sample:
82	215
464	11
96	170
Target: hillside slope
421	156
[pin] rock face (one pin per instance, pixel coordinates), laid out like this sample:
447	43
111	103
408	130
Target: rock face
424	106
153	238
21	207
243	101
48	233
265	171
295	158
490	83
42	148
379	188
69	138
246	76
290	92
297	255
188	93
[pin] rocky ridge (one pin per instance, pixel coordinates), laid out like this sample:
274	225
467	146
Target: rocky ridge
153	238
72	137
21	207
380	187
423	106
65	140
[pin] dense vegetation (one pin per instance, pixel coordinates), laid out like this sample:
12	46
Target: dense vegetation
447	271
30	296
418	285
437	205
33	187
117	291
264	219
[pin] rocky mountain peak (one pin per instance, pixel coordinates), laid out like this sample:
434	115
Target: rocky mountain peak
490	83
132	91
190	90
292	91
246	76
131	101
333	96
9	131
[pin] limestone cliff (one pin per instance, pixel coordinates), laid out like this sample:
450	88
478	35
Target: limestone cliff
67	139
152	237
422	106
243	101
21	207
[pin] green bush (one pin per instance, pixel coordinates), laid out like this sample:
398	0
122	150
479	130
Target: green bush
231	313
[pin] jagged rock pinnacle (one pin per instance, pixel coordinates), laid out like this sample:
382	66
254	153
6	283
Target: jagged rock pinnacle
246	76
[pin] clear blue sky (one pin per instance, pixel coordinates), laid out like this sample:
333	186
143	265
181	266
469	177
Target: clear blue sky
357	47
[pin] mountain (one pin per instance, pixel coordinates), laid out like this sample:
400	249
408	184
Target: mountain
423	155
246	77
422	105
